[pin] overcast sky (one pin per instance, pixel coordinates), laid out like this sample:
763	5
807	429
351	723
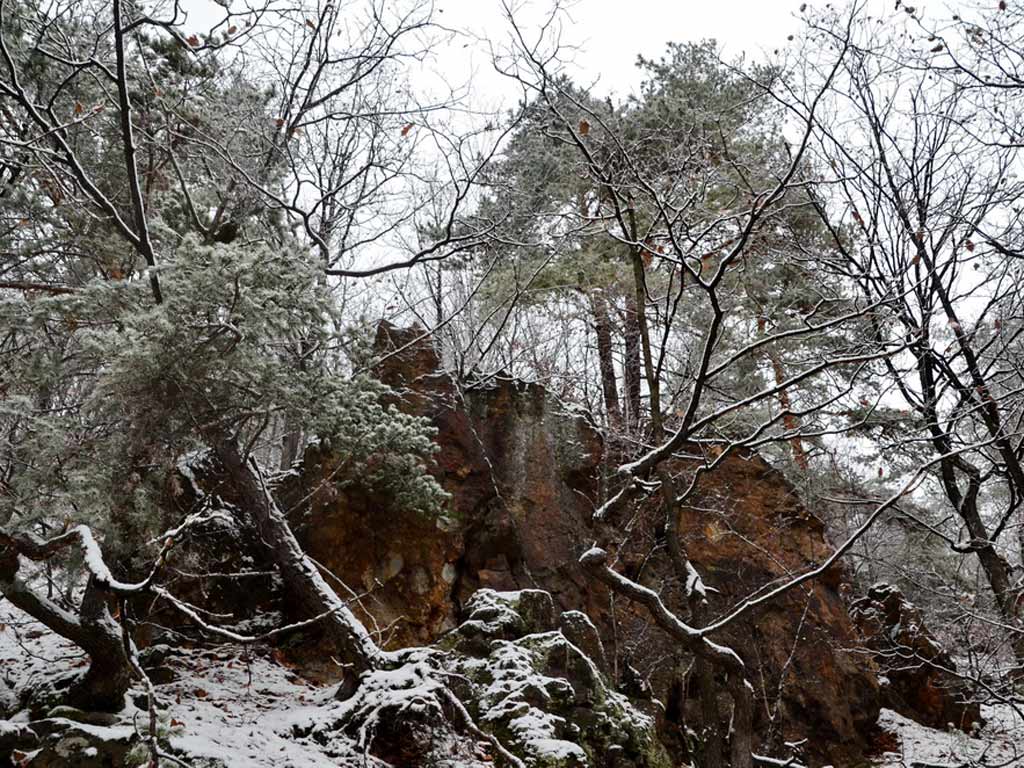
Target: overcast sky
612	32
609	34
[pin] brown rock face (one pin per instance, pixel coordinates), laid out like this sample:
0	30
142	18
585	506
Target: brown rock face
745	529
524	480
914	665
398	565
514	471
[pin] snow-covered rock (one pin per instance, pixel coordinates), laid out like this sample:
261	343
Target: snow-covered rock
505	685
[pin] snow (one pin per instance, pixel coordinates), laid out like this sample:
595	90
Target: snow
184	467
514	688
235	709
694	583
557	749
225	705
999	743
236	705
29	652
94	559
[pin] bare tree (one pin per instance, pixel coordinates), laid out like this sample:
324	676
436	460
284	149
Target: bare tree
932	214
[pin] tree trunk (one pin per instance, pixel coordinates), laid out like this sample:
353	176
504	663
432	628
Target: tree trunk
704	667
999	574
105	683
965	501
742	751
609	386
289	445
705	673
306	588
631	367
595	562
789	420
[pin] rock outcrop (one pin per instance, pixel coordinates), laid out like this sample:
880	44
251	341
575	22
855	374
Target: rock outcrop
745	529
918	676
507	672
524	477
507	686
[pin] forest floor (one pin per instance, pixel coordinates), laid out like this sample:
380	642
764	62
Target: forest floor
999	744
231	706
237	706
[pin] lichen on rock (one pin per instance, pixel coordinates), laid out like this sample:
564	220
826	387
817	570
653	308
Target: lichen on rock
505	685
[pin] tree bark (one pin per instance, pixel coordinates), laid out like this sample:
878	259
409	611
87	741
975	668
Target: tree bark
303	583
705	663
997	570
789	420
289	445
609	385
705	675
631	368
595	562
742	737
105	683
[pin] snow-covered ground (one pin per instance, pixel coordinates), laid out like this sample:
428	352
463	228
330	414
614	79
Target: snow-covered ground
31	653
234	710
999	744
237	708
225	704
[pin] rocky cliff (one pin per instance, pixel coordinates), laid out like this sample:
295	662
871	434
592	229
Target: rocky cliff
524	478
919	677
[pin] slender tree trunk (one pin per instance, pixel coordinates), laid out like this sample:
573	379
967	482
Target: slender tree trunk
631	367
303	583
999	574
742	735
609	386
790	421
965	501
704	671
289	445
595	561
291	438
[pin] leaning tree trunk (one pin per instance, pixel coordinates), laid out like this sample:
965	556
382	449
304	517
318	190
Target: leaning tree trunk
305	586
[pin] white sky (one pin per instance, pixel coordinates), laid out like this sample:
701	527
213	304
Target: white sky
610	33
